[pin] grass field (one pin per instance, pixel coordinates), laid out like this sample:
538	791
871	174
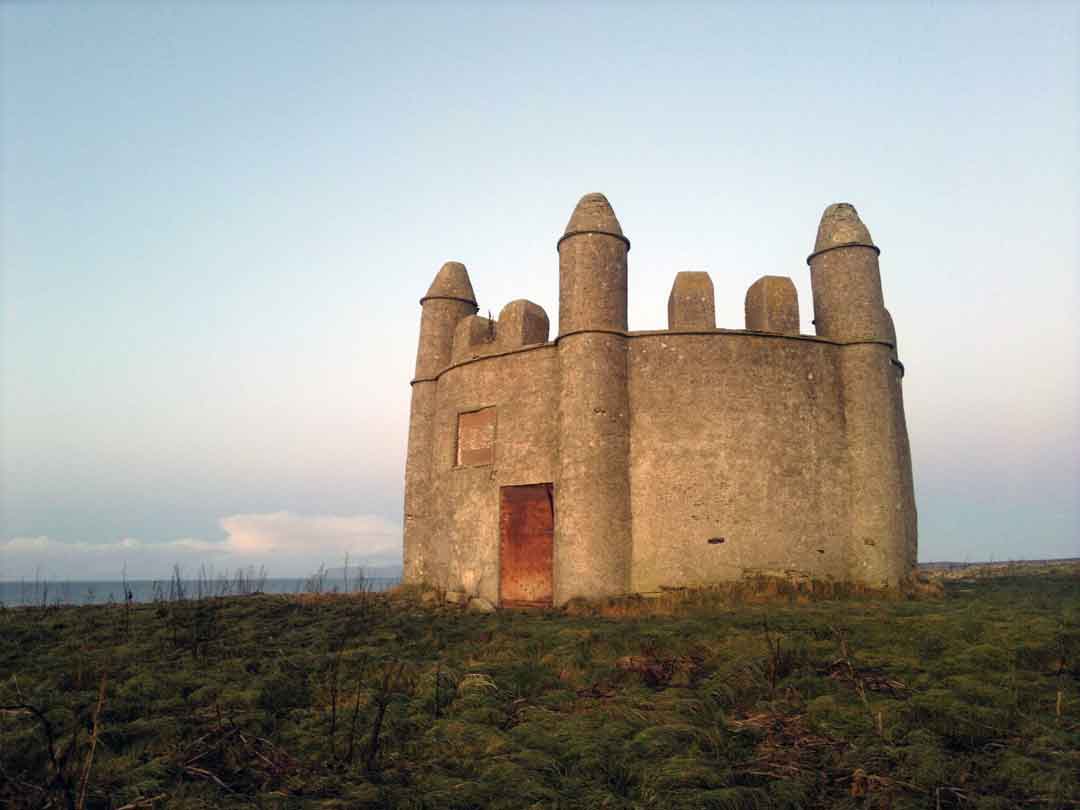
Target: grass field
969	700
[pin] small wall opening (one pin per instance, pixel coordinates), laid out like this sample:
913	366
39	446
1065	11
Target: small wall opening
475	438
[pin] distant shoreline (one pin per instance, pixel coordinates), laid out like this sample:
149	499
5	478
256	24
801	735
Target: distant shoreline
49	592
949	564
394	572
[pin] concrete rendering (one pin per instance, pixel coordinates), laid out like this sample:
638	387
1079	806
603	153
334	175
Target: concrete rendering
608	462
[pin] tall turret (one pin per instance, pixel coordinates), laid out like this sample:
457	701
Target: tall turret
845	278
848	308
592	268
449	299
592	514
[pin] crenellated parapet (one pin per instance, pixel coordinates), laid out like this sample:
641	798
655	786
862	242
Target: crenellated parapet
845	280
521	323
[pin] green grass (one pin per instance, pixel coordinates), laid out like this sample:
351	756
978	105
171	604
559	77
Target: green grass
971	700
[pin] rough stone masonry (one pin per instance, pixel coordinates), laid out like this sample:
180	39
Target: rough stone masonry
607	462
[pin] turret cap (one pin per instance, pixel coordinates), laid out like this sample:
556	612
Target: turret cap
594	214
452	281
841	227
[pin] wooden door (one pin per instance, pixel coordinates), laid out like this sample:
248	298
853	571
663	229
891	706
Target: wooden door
526	536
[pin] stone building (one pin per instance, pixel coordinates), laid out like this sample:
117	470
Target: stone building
607	461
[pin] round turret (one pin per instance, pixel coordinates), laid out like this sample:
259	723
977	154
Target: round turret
848	307
845	278
449	299
592	489
592	268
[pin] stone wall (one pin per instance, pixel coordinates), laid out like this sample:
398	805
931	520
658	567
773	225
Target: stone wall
523	388
737	458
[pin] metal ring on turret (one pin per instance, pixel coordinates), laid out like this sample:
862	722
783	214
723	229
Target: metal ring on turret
448	298
618	236
817	253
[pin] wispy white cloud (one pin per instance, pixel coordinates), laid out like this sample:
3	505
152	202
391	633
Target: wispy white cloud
285	532
287	544
44	544
26	544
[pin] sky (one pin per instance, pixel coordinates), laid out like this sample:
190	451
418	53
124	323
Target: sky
216	221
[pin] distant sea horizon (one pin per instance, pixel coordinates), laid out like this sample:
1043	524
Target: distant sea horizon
49	591
42	591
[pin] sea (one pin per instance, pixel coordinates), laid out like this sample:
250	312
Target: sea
22	593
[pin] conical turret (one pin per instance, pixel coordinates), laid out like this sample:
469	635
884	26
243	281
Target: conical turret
840	226
592	525
845	278
848	308
449	299
594	214
592	268
452	283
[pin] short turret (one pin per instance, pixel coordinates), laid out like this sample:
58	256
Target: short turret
845	278
449	299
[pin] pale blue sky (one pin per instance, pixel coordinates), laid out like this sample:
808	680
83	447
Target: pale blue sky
216	221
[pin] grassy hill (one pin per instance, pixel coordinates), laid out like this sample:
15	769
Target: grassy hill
970	700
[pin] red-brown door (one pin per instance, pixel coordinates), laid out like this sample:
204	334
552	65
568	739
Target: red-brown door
526	532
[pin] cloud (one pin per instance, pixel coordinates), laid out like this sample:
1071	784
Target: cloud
287	544
27	543
43	544
49	558
197	545
285	532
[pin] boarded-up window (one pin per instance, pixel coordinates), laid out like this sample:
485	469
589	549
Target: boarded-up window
476	438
